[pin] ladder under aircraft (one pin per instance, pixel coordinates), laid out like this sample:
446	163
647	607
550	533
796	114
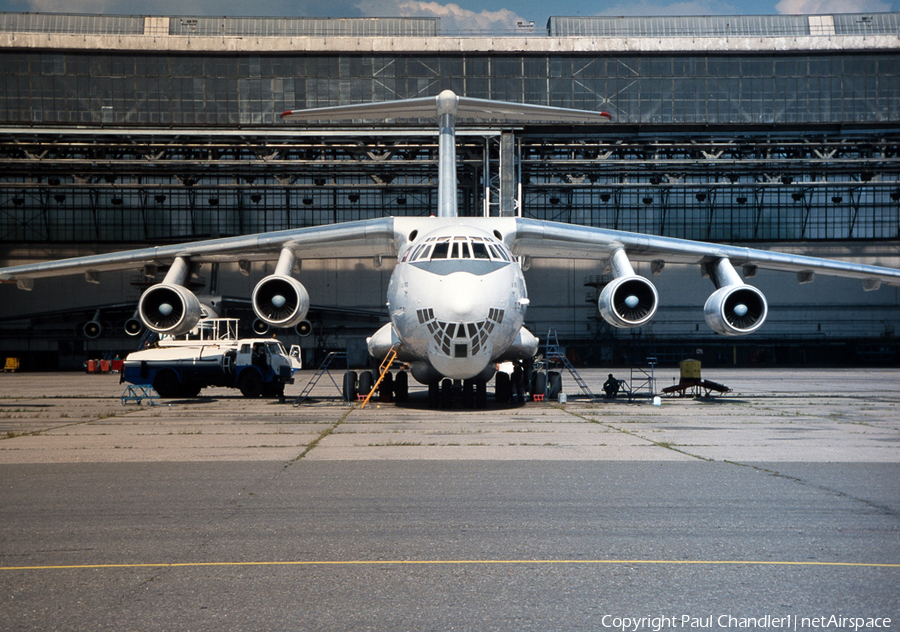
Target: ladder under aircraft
382	370
323	369
553	354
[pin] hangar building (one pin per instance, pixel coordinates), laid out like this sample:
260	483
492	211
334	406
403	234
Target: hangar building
770	131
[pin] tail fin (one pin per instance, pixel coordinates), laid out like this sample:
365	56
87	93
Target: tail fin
447	106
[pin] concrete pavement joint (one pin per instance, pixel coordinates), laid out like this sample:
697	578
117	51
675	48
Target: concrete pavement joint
660	444
883	509
322	435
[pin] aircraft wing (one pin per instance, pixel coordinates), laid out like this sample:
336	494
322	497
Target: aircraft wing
537	238
364	238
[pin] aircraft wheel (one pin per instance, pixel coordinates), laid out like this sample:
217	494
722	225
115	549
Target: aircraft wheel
555	385
447	393
401	387
250	383
468	393
350	386
501	387
480	394
365	382
434	394
166	384
386	388
540	383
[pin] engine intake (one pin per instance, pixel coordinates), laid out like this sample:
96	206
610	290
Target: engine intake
628	301
169	309
280	301
735	310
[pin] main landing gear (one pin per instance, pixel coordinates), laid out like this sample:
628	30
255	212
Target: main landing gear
472	393
394	387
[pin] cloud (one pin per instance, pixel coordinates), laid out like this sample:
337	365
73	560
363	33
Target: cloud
453	17
793	7
687	7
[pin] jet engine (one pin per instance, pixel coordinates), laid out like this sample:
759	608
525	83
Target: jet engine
169	309
628	300
735	308
280	300
93	329
134	326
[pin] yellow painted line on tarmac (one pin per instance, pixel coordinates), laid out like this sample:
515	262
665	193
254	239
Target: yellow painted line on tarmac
448	563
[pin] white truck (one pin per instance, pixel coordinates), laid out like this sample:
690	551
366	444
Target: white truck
213	355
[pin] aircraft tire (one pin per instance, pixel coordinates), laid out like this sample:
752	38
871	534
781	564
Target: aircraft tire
540	383
447	393
401	387
554	388
350	386
166	384
469	393
386	388
434	395
501	387
250	383
365	382
480	394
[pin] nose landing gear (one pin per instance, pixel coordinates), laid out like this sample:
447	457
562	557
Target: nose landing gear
471	393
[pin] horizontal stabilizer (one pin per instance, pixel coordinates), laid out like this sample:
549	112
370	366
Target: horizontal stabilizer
468	108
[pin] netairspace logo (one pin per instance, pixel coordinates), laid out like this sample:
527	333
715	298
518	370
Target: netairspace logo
730	622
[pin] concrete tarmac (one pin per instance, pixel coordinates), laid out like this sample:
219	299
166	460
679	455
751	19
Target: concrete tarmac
767	508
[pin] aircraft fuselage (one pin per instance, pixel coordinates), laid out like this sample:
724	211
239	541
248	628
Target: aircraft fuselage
457	302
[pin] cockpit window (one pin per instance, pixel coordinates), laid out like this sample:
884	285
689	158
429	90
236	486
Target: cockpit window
440	250
479	250
459	247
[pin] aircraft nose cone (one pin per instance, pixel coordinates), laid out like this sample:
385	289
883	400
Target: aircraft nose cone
459	297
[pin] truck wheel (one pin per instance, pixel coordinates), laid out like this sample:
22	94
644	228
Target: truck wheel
250	383
166	384
191	390
273	389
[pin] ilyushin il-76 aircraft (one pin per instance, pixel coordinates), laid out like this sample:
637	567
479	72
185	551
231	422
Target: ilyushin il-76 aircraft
457	297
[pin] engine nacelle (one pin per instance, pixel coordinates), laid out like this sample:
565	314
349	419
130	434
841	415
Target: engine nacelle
280	301
134	326
628	301
169	309
92	329
735	310
260	328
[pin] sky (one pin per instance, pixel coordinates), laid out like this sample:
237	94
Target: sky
461	15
